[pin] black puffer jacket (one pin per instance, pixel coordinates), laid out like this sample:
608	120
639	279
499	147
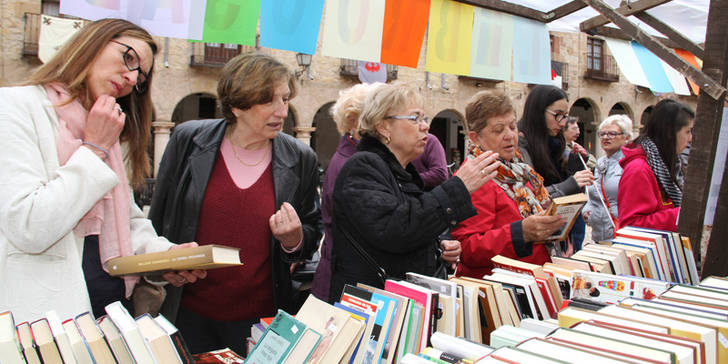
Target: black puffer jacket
180	188
383	206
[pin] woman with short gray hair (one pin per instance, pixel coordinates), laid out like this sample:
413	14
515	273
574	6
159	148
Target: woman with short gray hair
613	133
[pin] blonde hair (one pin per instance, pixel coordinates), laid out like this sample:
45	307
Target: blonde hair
381	101
250	79
349	106
485	105
71	65
623	122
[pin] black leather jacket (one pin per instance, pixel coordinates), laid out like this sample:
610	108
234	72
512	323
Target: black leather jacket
180	188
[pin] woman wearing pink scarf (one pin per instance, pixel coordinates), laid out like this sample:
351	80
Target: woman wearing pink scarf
65	200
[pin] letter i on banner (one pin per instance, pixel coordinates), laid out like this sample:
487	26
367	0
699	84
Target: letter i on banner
492	45
531	52
231	21
292	25
92	9
449	37
353	29
405	23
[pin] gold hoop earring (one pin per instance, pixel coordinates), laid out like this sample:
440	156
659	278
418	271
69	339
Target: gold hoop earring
387	140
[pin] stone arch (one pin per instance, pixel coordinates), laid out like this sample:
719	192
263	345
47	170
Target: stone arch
200	105
325	137
621	108
449	127
587	111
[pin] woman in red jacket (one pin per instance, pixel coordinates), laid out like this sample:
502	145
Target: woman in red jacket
511	206
650	190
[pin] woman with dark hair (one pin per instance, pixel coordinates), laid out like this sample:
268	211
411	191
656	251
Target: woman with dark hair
542	141
65	201
650	190
239	181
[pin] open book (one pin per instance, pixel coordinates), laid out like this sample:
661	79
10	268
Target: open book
569	207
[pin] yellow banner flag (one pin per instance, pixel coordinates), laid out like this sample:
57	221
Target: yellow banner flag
449	37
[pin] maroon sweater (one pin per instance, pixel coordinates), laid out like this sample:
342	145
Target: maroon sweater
239	218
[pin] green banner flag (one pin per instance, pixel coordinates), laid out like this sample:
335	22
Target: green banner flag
231	21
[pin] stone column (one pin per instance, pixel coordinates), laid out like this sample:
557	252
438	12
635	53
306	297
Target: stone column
303	133
161	138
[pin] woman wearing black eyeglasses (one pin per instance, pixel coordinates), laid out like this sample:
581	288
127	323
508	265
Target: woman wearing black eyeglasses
382	217
65	201
541	141
613	133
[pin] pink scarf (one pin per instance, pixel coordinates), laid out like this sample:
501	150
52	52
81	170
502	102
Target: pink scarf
108	218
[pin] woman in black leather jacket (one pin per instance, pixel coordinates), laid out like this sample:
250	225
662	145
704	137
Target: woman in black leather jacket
238	181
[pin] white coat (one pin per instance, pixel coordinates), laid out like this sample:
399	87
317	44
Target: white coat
40	204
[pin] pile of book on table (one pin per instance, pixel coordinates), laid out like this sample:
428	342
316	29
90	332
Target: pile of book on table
113	338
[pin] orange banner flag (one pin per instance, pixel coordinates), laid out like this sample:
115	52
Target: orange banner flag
405	22
693	61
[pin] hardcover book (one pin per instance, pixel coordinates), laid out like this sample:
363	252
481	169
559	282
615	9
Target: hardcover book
569	207
277	340
10	349
200	257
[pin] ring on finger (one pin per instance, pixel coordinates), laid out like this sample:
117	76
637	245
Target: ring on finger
483	172
183	280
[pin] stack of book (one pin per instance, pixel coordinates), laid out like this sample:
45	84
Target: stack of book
367	324
113	338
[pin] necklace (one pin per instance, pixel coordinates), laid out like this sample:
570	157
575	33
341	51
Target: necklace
235	152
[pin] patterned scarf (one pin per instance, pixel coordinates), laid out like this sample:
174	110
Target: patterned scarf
654	160
513	177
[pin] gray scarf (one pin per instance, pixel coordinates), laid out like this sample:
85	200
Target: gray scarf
668	183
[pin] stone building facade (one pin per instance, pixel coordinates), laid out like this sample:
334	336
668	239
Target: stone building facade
186	74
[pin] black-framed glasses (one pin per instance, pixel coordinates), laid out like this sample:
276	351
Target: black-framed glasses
414	119
609	134
558	115
133	63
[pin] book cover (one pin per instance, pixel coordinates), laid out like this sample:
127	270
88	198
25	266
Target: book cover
277	340
10	349
159	342
79	346
94	338
384	318
339	331
179	343
200	257
49	353
61	338
113	338
222	356
422	296
569	207
367	350
398	319
30	350
130	333
304	348
608	288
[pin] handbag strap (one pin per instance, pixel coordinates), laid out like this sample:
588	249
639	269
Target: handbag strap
381	273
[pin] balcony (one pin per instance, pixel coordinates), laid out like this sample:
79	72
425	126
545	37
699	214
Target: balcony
602	69
32	33
349	68
215	54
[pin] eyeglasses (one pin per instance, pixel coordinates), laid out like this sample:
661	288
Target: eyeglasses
609	134
133	63
414	119
558	115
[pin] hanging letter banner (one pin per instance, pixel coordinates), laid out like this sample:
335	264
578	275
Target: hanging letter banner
353	29
166	18
449	37
292	25
54	32
653	69
531	52
230	21
92	10
405	23
492	45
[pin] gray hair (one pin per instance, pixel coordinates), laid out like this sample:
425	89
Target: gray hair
381	101
349	106
623	122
